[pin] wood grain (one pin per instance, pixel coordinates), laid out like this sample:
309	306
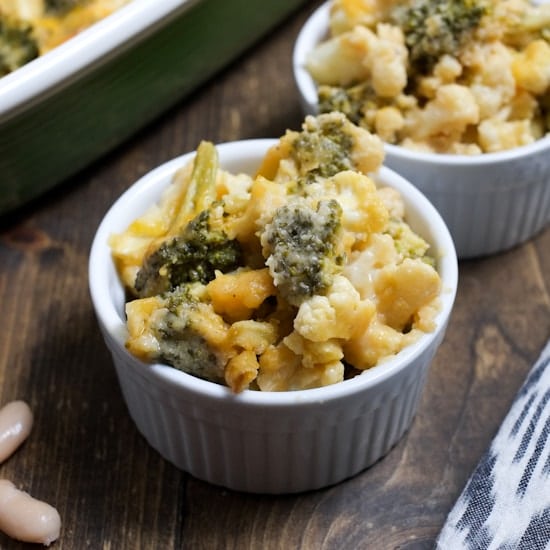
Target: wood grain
85	455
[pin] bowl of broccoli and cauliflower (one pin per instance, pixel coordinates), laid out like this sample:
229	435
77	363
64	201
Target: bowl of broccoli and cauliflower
458	90
272	306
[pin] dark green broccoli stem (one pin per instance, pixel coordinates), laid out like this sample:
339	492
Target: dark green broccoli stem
17	44
192	256
433	28
302	245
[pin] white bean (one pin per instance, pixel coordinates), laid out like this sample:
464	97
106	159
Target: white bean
25	518
15	425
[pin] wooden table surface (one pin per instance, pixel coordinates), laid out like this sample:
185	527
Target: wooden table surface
86	457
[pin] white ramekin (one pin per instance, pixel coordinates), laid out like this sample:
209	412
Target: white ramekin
490	202
266	442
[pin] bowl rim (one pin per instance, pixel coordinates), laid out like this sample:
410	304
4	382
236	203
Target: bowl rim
81	53
100	267
314	29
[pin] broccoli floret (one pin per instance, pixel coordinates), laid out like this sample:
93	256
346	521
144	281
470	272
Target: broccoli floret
323	148
328	144
17	44
191	256
407	243
351	101
433	28
181	346
301	247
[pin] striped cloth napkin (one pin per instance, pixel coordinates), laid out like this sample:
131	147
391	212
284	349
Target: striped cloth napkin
506	502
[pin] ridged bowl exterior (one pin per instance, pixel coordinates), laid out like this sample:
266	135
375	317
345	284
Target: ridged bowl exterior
490	202
254	449
267	442
488	206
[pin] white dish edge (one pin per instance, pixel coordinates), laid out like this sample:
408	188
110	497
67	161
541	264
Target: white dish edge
95	44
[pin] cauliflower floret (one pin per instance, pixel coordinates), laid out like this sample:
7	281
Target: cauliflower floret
339	314
464	149
277	366
523	106
367	152
531	67
361	54
377	342
282	369
403	310
420	146
403	289
446	71
363	210
362	265
496	135
235	189
265	198
316	319
393	201
314	353
491	78
339	60
388	122
448	114
387	60
318	376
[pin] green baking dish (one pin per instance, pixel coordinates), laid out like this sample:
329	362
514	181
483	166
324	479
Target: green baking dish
63	110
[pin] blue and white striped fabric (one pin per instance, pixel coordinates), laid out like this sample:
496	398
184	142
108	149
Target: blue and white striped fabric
506	502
